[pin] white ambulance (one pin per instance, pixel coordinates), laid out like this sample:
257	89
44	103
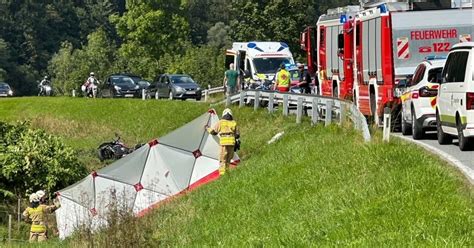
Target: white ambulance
259	60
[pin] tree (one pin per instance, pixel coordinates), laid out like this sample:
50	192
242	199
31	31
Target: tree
32	160
70	67
150	30
205	64
219	35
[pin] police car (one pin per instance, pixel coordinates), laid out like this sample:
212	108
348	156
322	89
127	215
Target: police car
419	99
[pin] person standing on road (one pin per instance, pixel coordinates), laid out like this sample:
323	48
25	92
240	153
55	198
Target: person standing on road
35	214
304	80
231	80
228	132
282	79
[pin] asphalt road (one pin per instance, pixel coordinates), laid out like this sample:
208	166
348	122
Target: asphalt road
463	160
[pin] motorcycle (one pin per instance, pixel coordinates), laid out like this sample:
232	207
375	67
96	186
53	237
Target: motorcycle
90	90
45	90
115	149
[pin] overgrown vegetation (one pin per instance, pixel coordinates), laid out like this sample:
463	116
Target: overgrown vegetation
31	159
314	187
68	39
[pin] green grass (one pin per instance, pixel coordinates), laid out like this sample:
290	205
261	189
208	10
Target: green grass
314	187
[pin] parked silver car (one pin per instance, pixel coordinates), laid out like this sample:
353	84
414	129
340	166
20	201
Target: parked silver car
175	86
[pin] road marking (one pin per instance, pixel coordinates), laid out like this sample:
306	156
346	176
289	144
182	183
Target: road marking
468	172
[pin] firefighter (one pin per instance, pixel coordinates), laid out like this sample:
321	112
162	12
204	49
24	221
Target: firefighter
35	214
282	79
228	132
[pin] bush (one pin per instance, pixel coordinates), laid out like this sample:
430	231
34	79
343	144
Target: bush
32	160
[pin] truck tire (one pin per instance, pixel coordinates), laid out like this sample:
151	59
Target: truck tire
416	127
443	138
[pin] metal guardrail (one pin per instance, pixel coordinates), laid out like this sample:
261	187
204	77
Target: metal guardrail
339	109
209	91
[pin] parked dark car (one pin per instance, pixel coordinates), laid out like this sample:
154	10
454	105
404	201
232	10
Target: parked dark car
175	86
5	89
122	85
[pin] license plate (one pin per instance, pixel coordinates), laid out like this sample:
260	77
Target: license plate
191	92
128	95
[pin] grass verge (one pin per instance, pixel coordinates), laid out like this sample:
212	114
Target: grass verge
314	187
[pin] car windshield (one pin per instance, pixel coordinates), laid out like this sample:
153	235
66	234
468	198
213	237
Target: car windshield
434	75
269	65
4	86
122	80
182	80
143	83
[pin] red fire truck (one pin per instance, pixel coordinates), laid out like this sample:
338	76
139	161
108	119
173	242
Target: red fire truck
362	52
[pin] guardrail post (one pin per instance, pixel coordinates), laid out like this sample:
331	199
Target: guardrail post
257	100
241	100
206	95
329	104
143	94
157	95
73	93
228	101
314	111
285	105
9	228
270	102
386	124
299	110
342	112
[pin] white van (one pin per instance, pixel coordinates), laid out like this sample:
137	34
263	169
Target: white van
455	106
260	59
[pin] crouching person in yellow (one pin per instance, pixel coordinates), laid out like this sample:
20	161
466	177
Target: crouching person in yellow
36	215
228	132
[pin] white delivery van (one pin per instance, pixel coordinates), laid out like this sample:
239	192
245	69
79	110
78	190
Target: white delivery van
455	107
260	60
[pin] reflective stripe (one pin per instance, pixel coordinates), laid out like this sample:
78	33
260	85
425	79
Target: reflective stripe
38	228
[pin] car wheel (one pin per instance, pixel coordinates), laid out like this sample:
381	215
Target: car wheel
406	129
464	142
416	128
171	96
198	98
443	138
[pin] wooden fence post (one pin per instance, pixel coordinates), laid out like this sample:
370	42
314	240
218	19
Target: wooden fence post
342	112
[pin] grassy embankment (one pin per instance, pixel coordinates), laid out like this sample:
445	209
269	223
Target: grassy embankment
315	187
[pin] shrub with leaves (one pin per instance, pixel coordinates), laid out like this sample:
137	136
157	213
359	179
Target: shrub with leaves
31	159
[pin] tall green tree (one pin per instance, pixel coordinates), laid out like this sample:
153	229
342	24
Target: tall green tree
150	30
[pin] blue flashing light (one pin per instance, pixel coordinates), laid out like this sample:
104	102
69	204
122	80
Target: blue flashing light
383	8
433	57
251	45
343	19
